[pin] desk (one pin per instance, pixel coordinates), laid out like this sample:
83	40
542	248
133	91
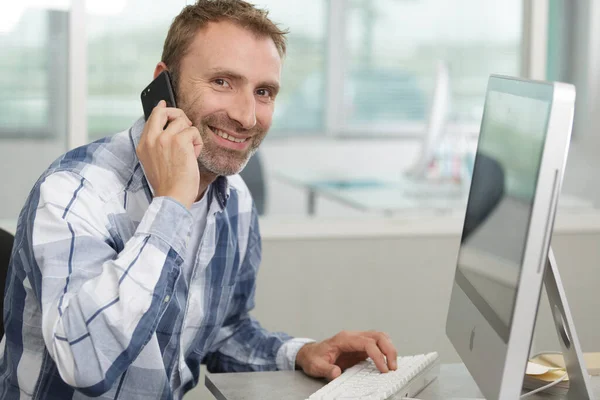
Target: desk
454	381
393	197
376	194
326	184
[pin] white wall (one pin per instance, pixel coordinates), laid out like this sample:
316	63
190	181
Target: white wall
582	176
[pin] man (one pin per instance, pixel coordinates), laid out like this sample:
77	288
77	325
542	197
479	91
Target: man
136	256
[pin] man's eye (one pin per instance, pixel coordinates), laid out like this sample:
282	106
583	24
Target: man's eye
222	82
263	92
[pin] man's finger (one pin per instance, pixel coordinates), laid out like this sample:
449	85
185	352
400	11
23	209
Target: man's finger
330	371
188	136
385	345
177	125
159	118
334	372
376	355
322	369
357	342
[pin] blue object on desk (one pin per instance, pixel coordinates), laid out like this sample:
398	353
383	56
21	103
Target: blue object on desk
349	184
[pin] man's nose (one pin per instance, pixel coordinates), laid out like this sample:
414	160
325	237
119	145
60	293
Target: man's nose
244	110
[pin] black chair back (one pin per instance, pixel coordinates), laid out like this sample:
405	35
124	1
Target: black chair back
6	245
254	176
486	192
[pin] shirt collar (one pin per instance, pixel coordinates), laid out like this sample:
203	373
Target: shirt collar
219	189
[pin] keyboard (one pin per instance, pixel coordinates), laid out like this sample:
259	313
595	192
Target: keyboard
364	381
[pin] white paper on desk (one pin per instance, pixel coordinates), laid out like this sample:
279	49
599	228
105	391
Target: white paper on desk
538	369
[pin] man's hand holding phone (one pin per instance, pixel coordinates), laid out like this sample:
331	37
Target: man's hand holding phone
169	156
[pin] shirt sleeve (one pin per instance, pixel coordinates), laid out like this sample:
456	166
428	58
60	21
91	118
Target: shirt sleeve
99	306
286	355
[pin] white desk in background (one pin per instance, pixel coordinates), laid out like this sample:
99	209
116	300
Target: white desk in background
392	197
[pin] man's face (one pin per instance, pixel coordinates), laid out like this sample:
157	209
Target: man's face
227	87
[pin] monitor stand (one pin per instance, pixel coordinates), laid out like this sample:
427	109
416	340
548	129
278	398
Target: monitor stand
579	380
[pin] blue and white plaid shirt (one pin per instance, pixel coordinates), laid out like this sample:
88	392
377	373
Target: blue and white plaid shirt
96	303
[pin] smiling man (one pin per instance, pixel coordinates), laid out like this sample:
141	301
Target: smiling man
136	256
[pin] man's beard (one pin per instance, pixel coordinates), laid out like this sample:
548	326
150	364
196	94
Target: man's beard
219	160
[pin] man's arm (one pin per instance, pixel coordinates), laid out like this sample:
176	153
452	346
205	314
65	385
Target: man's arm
242	344
99	307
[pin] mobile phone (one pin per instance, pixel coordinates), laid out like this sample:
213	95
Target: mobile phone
159	89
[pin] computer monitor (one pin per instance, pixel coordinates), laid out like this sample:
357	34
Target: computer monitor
519	164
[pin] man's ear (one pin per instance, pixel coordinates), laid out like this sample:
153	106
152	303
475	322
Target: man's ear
160	67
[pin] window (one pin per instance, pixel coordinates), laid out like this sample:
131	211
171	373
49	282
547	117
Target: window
300	106
125	45
125	40
391	50
33	73
394	47
33	95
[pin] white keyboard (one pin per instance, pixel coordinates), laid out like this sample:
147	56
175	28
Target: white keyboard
364	381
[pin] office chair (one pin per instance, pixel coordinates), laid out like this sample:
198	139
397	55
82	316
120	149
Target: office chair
486	194
253	175
6	245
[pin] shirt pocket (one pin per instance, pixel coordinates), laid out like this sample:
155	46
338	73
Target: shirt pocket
210	334
220	301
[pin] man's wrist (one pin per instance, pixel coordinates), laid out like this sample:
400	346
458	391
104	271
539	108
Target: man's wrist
302	355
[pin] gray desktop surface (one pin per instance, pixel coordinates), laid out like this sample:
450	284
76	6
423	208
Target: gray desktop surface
453	382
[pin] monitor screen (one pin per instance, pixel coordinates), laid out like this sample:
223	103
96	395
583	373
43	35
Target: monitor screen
496	226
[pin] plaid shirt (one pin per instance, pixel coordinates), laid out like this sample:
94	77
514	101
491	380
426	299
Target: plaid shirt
96	304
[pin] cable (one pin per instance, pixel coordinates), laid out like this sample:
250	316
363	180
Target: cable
551	384
548	386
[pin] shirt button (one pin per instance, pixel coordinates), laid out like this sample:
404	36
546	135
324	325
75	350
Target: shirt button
167	298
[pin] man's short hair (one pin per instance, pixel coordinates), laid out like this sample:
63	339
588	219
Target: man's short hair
197	16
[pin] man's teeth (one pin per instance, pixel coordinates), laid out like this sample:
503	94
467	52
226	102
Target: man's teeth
228	137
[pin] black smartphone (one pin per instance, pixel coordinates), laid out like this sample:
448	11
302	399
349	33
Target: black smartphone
159	89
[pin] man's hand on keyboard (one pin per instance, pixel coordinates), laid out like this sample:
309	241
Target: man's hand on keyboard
330	357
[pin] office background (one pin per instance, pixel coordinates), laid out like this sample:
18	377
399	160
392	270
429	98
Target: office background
358	86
